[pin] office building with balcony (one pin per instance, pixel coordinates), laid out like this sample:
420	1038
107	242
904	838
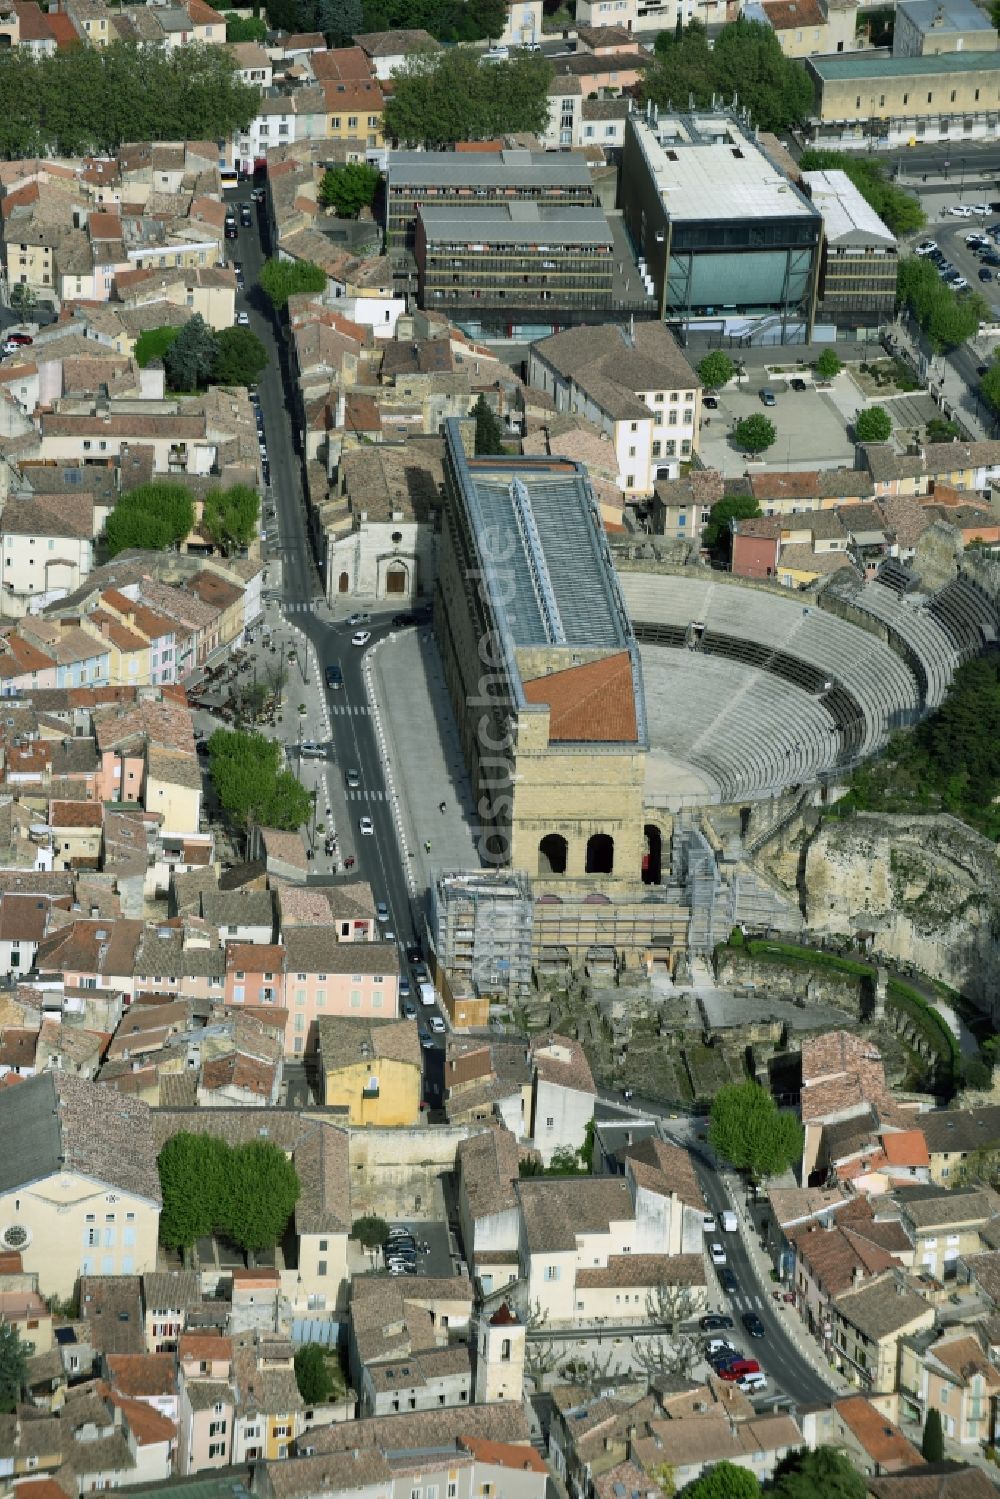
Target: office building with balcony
460	179
727	238
519	255
857	283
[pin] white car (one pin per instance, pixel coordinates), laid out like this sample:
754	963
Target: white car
437	1025
975	238
926	247
961	211
708	1224
366	827
382	912
361	637
959	284
718	1254
243	320
980	208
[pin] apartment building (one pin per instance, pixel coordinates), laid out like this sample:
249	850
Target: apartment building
857	282
867	1324
326	975
951	1371
372	1070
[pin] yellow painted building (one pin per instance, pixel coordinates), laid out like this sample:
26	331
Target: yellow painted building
354	108
372	1070
865	98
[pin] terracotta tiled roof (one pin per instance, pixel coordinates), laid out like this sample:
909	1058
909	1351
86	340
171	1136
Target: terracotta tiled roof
504	1454
594	702
907	1147
881	1439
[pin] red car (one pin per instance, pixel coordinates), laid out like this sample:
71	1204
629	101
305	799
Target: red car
742	1366
19	338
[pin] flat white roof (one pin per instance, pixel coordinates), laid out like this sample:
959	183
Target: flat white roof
846	214
720	174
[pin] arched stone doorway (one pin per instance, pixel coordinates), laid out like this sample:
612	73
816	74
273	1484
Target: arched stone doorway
600	854
397	579
652	855
552	854
343	583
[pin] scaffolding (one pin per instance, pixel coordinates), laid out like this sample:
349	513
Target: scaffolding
482	927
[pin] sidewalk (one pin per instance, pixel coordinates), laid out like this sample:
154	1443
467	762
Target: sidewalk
945	383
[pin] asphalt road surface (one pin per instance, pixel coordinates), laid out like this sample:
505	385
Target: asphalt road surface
378	857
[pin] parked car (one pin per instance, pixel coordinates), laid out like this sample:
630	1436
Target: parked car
925	247
753	1324
243	320
752	1384
798	383
710	403
961	211
437	1025
715	1322
767	396
718	1345
739	1370
358	619
382	911
985	274
409	1010
959	283
20	340
246	218
404	987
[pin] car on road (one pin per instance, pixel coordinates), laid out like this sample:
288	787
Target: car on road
401	621
710	403
361	637
715	1322
728	1281
358	619
409	1010
366	827
427	1040
961	211
708	1224
730	1222
985	274
437	1025
414	952
353	779
245	216
231	229
797	384
257	196
420	970
767	396
925	247
243	320
382	911
753	1325
334	676
718	1254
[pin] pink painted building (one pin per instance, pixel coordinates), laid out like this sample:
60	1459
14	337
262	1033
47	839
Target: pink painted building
328	975
255	974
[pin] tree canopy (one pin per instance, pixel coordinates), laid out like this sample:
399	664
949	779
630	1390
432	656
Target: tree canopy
247	1192
229	516
154	343
989	387
281	279
949	763
932	1441
748	1130
898	210
828	364
734	507
244	28
153	517
251	783
446	20
239	357
723	1481
370	1231
746	60
92	99
312	1374
13	1367
716	370
873	425
443	97
349	188
489	432
755	433
823	1471
947	317
189	359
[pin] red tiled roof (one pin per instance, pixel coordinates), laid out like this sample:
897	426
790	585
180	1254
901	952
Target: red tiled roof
907	1147
504	1454
591	703
880	1438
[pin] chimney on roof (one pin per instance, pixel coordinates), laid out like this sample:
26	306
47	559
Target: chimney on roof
857	1275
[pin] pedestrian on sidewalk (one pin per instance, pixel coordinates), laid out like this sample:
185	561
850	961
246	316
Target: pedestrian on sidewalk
427	845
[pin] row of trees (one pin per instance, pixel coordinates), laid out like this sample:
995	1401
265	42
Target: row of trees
229	516
153	517
803	1474
340	20
246	1192
252	784
195	355
93	98
897	209
948	318
443	97
717	369
746	59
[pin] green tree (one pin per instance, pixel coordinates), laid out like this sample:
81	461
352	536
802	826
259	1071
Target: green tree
22	297
443	97
948	318
239	357
349	188
312	1374
716	370
755	433
153	344
150	518
733	507
873	425
489	432
565	1162
746	59
190	358
192	1168
244	28
932	1441
723	1481
371	1231
13	1367
976	1073
339	20
899	210
828	364
259	1195
823	1471
251	785
939	430
281	279
229	516
989	387
751	1133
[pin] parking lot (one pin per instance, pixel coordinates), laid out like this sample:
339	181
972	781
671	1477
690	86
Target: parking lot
811	430
968	261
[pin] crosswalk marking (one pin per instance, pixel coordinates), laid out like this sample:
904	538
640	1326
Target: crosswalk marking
308	607
365	796
343	709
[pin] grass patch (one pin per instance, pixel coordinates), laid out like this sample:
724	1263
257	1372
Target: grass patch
153	344
936	1030
804	957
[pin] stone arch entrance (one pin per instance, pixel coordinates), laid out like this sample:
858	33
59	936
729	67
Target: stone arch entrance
652	856
397	579
600	854
343	583
552	854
